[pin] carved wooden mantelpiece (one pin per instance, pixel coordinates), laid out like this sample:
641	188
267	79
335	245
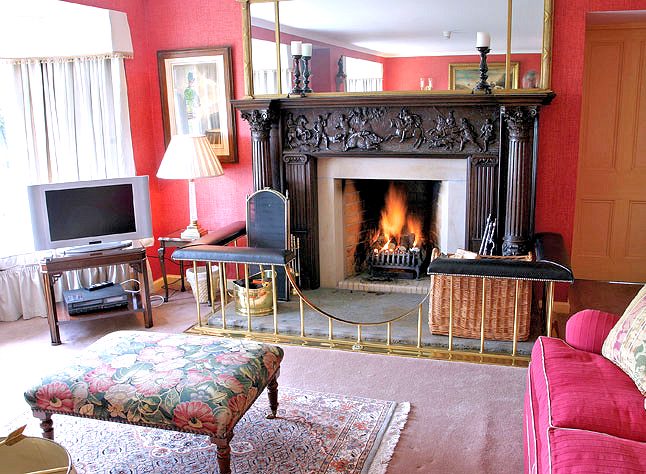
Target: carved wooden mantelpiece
495	133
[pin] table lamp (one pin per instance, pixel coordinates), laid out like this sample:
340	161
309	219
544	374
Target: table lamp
190	157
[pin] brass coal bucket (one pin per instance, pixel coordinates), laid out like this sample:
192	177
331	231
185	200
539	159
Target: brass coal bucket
260	300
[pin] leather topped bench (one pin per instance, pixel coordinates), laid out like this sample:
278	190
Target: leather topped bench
223	253
194	384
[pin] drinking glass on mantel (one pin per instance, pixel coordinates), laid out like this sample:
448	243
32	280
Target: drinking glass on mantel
424	85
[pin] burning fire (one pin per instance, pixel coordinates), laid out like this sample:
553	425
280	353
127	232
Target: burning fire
396	222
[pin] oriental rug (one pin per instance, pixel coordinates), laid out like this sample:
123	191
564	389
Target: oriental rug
314	433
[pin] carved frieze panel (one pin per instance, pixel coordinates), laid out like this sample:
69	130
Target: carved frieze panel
416	130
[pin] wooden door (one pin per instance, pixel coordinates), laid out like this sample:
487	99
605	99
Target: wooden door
610	215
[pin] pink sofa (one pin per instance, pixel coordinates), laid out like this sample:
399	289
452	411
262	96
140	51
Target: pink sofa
582	413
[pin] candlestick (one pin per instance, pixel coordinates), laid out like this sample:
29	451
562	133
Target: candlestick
297	48
483	85
483	39
306	73
297	89
307	50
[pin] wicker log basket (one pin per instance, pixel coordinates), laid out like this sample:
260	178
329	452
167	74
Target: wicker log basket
499	300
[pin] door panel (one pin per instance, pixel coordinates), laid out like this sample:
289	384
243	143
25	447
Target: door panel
599	149
596	216
636	236
610	216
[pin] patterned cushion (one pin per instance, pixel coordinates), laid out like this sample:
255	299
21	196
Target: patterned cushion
199	384
626	343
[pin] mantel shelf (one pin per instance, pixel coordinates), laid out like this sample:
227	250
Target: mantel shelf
420	99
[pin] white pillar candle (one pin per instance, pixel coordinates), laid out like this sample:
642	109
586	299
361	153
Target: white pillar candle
483	39
307	49
296	48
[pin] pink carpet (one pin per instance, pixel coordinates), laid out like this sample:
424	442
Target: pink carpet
464	418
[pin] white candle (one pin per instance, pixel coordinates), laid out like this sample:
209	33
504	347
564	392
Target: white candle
307	49
483	39
296	48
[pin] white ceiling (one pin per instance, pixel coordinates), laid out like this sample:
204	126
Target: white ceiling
409	27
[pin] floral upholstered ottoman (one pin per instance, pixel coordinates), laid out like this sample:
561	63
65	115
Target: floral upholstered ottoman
196	384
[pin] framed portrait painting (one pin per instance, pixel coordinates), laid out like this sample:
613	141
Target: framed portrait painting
196	88
464	76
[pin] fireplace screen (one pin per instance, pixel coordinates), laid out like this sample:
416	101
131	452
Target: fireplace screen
390	227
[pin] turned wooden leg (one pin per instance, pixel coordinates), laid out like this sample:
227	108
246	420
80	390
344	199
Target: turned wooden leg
272	392
224	454
46	424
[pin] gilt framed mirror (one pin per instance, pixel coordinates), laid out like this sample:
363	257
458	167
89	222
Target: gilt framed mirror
388	46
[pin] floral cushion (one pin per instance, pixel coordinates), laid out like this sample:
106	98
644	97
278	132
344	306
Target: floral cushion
199	384
625	345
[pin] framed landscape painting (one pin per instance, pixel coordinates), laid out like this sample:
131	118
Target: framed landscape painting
464	76
196	87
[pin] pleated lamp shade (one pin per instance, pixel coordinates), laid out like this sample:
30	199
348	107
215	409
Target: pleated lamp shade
189	157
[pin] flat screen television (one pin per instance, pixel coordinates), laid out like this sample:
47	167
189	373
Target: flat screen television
90	215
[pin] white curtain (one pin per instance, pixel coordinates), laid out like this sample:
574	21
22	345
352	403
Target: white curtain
68	120
75	113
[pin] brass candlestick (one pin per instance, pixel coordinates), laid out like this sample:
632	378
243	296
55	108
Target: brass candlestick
483	86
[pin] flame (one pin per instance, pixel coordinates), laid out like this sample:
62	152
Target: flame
394	219
415	227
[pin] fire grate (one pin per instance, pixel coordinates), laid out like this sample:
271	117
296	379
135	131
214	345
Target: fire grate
400	260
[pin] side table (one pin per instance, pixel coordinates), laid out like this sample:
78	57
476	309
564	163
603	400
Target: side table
172	240
52	268
221	236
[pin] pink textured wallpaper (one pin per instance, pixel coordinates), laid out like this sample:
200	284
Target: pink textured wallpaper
404	73
176	24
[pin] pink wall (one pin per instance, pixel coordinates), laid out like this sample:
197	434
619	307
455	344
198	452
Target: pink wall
559	130
174	24
404	73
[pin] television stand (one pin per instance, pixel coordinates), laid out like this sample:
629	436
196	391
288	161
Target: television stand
97	247
53	267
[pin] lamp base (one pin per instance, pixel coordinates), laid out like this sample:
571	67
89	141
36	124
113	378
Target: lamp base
192	232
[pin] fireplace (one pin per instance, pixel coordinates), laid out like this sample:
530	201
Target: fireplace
435	191
389	226
480	148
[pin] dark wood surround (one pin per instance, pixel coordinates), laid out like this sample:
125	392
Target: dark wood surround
496	133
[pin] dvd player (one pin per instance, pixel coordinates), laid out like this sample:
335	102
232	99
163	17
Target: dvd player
84	301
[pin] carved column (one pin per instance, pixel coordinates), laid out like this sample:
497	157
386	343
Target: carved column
482	196
261	122
301	182
518	212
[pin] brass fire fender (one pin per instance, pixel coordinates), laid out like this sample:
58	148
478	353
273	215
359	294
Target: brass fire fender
548	268
343	344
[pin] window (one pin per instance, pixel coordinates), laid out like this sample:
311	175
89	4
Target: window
63	108
265	75
363	75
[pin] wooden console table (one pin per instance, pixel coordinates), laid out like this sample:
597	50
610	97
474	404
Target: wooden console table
53	267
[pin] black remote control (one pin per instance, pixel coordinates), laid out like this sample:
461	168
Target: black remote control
98	286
